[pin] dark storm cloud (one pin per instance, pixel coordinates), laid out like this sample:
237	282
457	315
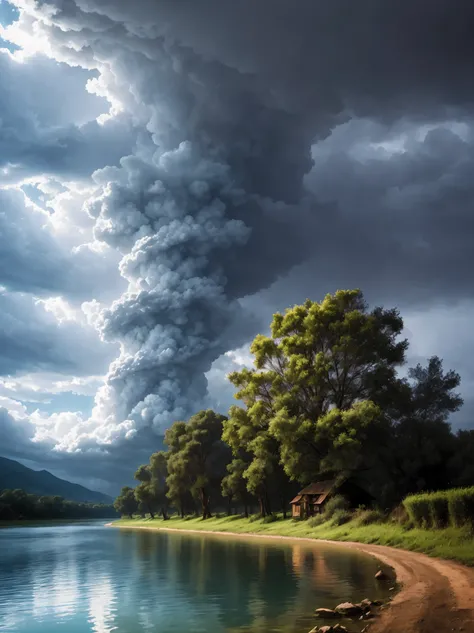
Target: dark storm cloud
213	206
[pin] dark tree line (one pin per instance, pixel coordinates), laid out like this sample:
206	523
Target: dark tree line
18	504
325	396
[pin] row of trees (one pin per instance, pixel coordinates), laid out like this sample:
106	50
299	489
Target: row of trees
327	395
18	504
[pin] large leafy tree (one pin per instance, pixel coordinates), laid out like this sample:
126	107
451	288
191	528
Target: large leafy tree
159	472
126	503
422	444
178	481
320	382
144	492
234	484
247	433
198	458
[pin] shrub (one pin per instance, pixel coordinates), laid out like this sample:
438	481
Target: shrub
341	516
400	515
270	518
418	508
318	519
335	504
439	509
367	517
254	517
461	506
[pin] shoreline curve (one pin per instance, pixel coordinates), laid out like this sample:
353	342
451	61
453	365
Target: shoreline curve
434	595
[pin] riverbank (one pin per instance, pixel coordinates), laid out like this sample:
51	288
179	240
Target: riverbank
436	595
455	544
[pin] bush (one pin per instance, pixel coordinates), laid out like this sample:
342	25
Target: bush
440	509
400	515
461	506
254	517
368	517
335	504
419	510
341	516
270	518
318	519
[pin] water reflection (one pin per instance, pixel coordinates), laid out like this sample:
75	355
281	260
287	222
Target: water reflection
87	579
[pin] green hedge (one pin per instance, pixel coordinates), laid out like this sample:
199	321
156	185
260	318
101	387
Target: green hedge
440	509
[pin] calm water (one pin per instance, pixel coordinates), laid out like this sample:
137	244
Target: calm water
85	578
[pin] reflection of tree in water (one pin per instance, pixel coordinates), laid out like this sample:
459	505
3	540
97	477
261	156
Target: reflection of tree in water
232	575
344	575
227	584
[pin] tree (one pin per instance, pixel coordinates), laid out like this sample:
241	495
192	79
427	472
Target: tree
422	445
248	434
462	461
320	382
198	458
234	484
144	492
126	503
178	481
159	473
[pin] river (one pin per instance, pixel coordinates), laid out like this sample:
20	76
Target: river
85	578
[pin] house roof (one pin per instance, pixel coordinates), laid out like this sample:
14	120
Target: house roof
297	499
319	488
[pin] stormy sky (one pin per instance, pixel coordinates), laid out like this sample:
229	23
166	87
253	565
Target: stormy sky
172	172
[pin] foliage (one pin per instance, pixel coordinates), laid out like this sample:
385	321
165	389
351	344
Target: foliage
270	518
323	400
320	379
234	485
17	504
198	458
339	517
439	509
368	517
461	506
317	520
126	503
334	504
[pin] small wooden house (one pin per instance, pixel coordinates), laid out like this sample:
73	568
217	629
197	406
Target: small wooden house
312	499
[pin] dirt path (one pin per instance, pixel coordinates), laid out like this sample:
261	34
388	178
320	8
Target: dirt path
436	596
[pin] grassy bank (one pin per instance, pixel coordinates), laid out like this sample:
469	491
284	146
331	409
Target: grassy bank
450	543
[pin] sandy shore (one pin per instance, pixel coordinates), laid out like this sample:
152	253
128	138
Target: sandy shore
436	596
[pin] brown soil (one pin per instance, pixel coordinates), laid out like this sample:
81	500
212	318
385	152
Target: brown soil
436	596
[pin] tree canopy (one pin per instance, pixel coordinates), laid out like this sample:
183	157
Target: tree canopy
328	393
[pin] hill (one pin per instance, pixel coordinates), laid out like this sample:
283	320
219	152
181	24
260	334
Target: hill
41	482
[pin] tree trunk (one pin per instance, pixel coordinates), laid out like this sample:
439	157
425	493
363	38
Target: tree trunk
164	513
262	507
283	506
229	506
268	507
246	510
152	516
205	502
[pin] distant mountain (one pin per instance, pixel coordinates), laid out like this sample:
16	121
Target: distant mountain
41	482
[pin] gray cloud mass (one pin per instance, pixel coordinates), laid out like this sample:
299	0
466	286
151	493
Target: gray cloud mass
336	138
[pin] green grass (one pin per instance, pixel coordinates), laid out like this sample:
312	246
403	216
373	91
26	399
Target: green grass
450	543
